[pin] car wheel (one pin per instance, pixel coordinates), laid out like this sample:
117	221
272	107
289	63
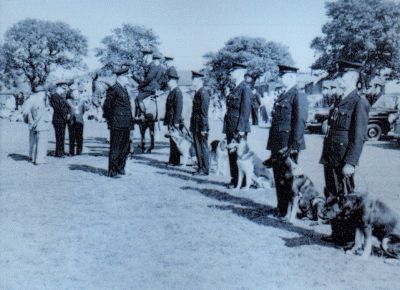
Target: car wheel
324	127
374	132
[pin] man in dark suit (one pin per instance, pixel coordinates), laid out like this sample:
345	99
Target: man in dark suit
286	135
199	123
58	100
118	114
237	117
173	113
348	121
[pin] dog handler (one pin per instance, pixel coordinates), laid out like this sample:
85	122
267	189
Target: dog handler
199	123
348	121
237	117
173	113
289	116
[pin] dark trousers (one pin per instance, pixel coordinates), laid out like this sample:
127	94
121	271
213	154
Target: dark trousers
75	131
59	129
233	161
254	116
119	151
283	185
174	154
202	152
336	184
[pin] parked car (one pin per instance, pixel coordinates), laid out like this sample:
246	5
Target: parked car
381	117
317	114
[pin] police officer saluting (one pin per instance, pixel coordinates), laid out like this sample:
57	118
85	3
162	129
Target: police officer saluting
118	114
236	121
173	113
348	120
58	101
286	135
199	123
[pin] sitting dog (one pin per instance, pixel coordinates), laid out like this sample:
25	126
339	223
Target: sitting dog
306	201
184	142
371	217
250	165
219	156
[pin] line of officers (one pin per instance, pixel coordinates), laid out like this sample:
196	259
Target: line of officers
342	145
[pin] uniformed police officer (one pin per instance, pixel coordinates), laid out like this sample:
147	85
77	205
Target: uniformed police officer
236	121
58	101
348	120
118	113
256	98
286	135
173	113
199	123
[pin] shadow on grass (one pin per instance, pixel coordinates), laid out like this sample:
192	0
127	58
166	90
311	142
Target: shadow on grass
88	168
261	214
19	157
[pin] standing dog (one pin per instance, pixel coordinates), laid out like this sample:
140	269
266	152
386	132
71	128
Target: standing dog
219	155
306	201
250	165
372	218
184	142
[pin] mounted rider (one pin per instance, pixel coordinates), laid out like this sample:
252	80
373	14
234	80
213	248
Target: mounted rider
151	83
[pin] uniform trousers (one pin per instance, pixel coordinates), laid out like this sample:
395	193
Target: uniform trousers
59	129
335	183
119	151
38	146
75	130
202	152
254	116
233	167
32	143
283	185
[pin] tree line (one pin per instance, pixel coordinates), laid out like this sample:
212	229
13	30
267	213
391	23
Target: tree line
366	31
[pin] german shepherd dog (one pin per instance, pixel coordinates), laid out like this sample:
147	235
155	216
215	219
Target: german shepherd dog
306	201
219	156
184	142
371	217
250	165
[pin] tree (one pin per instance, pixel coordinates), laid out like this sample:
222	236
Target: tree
262	57
125	45
33	48
366	31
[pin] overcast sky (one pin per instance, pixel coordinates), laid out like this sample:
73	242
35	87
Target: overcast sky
187	29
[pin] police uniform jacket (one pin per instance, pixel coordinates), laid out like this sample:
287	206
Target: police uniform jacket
289	116
199	118
153	77
347	133
60	109
173	108
117	108
238	105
